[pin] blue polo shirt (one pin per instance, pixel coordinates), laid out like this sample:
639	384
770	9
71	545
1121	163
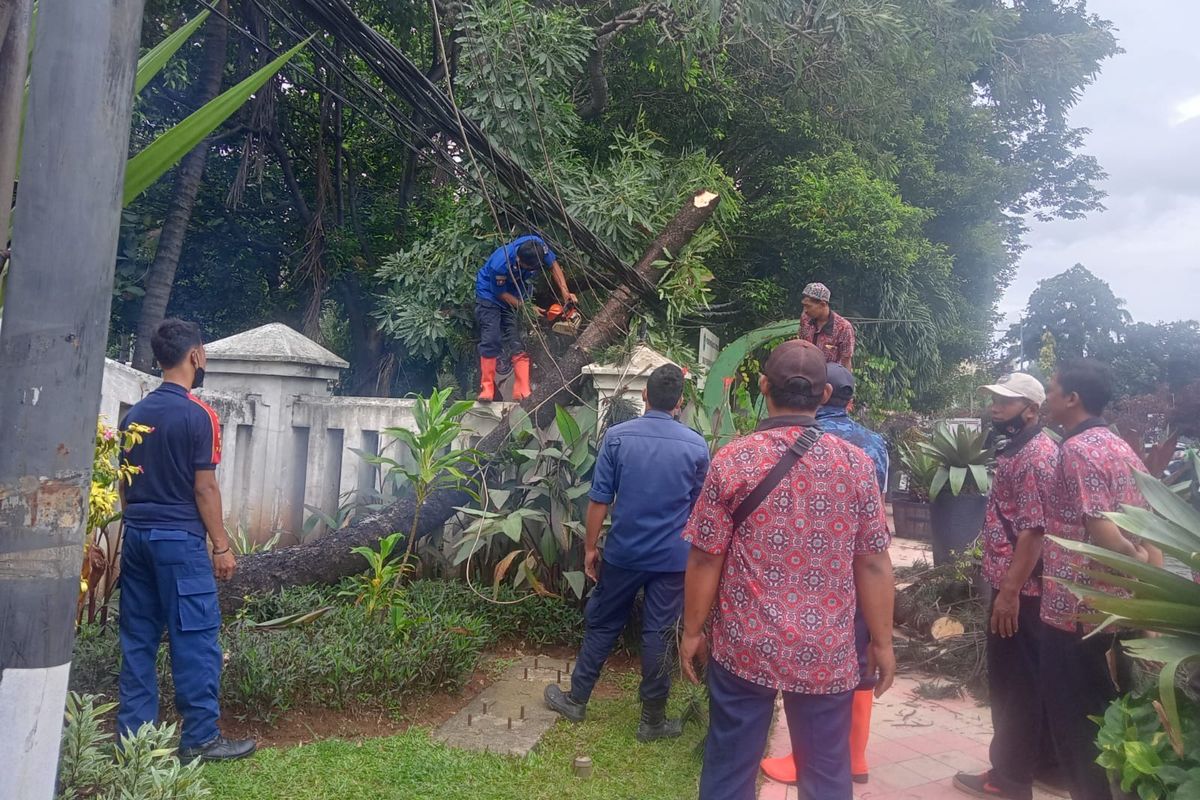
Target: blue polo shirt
186	437
834	420
650	469
502	273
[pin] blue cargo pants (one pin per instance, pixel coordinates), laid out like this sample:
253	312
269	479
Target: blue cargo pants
167	582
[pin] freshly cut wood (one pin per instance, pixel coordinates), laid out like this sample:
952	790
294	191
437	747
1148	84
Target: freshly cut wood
328	559
946	628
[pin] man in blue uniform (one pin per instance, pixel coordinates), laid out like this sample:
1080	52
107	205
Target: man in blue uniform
503	283
653	468
834	419
167	577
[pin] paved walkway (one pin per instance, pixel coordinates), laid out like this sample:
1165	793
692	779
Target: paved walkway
916	745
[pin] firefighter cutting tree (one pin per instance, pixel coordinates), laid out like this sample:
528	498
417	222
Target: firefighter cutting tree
502	285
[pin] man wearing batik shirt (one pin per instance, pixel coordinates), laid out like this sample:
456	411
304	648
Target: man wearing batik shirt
1021	497
830	332
1096	476
785	584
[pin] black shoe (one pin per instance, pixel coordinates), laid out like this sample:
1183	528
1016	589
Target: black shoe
982	786
219	749
654	723
559	701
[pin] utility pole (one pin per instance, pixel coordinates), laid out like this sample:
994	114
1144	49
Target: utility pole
52	346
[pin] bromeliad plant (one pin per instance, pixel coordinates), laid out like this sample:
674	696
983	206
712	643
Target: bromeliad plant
921	467
532	523
962	459
1156	599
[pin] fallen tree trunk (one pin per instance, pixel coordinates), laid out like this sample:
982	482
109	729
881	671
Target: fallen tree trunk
328	559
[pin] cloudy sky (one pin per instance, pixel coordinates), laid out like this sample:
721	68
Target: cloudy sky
1144	113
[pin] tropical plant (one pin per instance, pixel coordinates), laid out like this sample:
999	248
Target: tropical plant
378	589
143	767
109	470
539	510
921	468
1153	598
962	456
244	544
143	169
1144	755
432	461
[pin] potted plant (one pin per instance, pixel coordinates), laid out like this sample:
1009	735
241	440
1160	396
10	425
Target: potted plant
958	489
911	514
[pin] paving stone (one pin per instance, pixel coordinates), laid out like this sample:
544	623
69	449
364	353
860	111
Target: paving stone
509	716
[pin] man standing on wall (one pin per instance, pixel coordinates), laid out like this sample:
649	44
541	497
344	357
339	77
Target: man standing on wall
502	285
1021	500
834	419
830	332
1096	476
788	539
167	577
650	470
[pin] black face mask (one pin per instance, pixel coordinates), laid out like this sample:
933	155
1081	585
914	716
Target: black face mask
1010	427
198	378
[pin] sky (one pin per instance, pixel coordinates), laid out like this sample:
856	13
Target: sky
1144	114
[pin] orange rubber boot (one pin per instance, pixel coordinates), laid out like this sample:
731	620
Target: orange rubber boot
521	388
782	769
860	732
487	379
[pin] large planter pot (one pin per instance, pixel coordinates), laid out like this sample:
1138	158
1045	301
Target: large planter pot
912	520
957	522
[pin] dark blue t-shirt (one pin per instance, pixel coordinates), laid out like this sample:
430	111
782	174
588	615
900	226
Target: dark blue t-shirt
186	437
503	274
653	468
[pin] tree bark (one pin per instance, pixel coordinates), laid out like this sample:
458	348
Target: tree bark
161	277
328	558
65	232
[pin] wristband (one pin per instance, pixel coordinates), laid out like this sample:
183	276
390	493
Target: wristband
222	552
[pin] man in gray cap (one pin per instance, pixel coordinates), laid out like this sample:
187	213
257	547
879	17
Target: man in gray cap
831	333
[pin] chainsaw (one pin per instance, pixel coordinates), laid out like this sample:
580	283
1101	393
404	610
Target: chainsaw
563	318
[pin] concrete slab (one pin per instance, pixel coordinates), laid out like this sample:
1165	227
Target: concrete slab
509	717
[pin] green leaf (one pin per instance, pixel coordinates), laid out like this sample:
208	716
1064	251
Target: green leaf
575	580
958	477
163	153
1142	757
567	427
939	482
156	57
512	526
983	481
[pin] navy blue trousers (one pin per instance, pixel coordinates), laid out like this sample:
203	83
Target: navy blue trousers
499	331
739	720
606	615
167	583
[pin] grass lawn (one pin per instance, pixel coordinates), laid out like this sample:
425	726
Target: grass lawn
411	766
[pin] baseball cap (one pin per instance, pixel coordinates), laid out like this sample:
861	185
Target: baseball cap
795	361
1017	384
842	382
817	291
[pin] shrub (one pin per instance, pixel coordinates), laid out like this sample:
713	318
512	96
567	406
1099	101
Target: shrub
144	767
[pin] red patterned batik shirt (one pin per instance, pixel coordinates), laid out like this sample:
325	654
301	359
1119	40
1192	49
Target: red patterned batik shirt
784	615
1096	476
835	337
1022	495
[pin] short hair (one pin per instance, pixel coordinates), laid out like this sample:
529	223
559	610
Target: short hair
173	339
798	393
529	254
665	387
1089	379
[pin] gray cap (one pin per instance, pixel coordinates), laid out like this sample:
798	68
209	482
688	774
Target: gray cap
817	291
842	383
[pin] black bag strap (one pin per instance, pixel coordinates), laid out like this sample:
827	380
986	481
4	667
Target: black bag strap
794	453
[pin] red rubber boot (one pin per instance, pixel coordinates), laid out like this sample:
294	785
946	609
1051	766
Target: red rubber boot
487	379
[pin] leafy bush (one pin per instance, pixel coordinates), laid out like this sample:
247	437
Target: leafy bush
1143	755
143	767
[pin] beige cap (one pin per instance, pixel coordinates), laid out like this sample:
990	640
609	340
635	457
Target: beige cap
1017	384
